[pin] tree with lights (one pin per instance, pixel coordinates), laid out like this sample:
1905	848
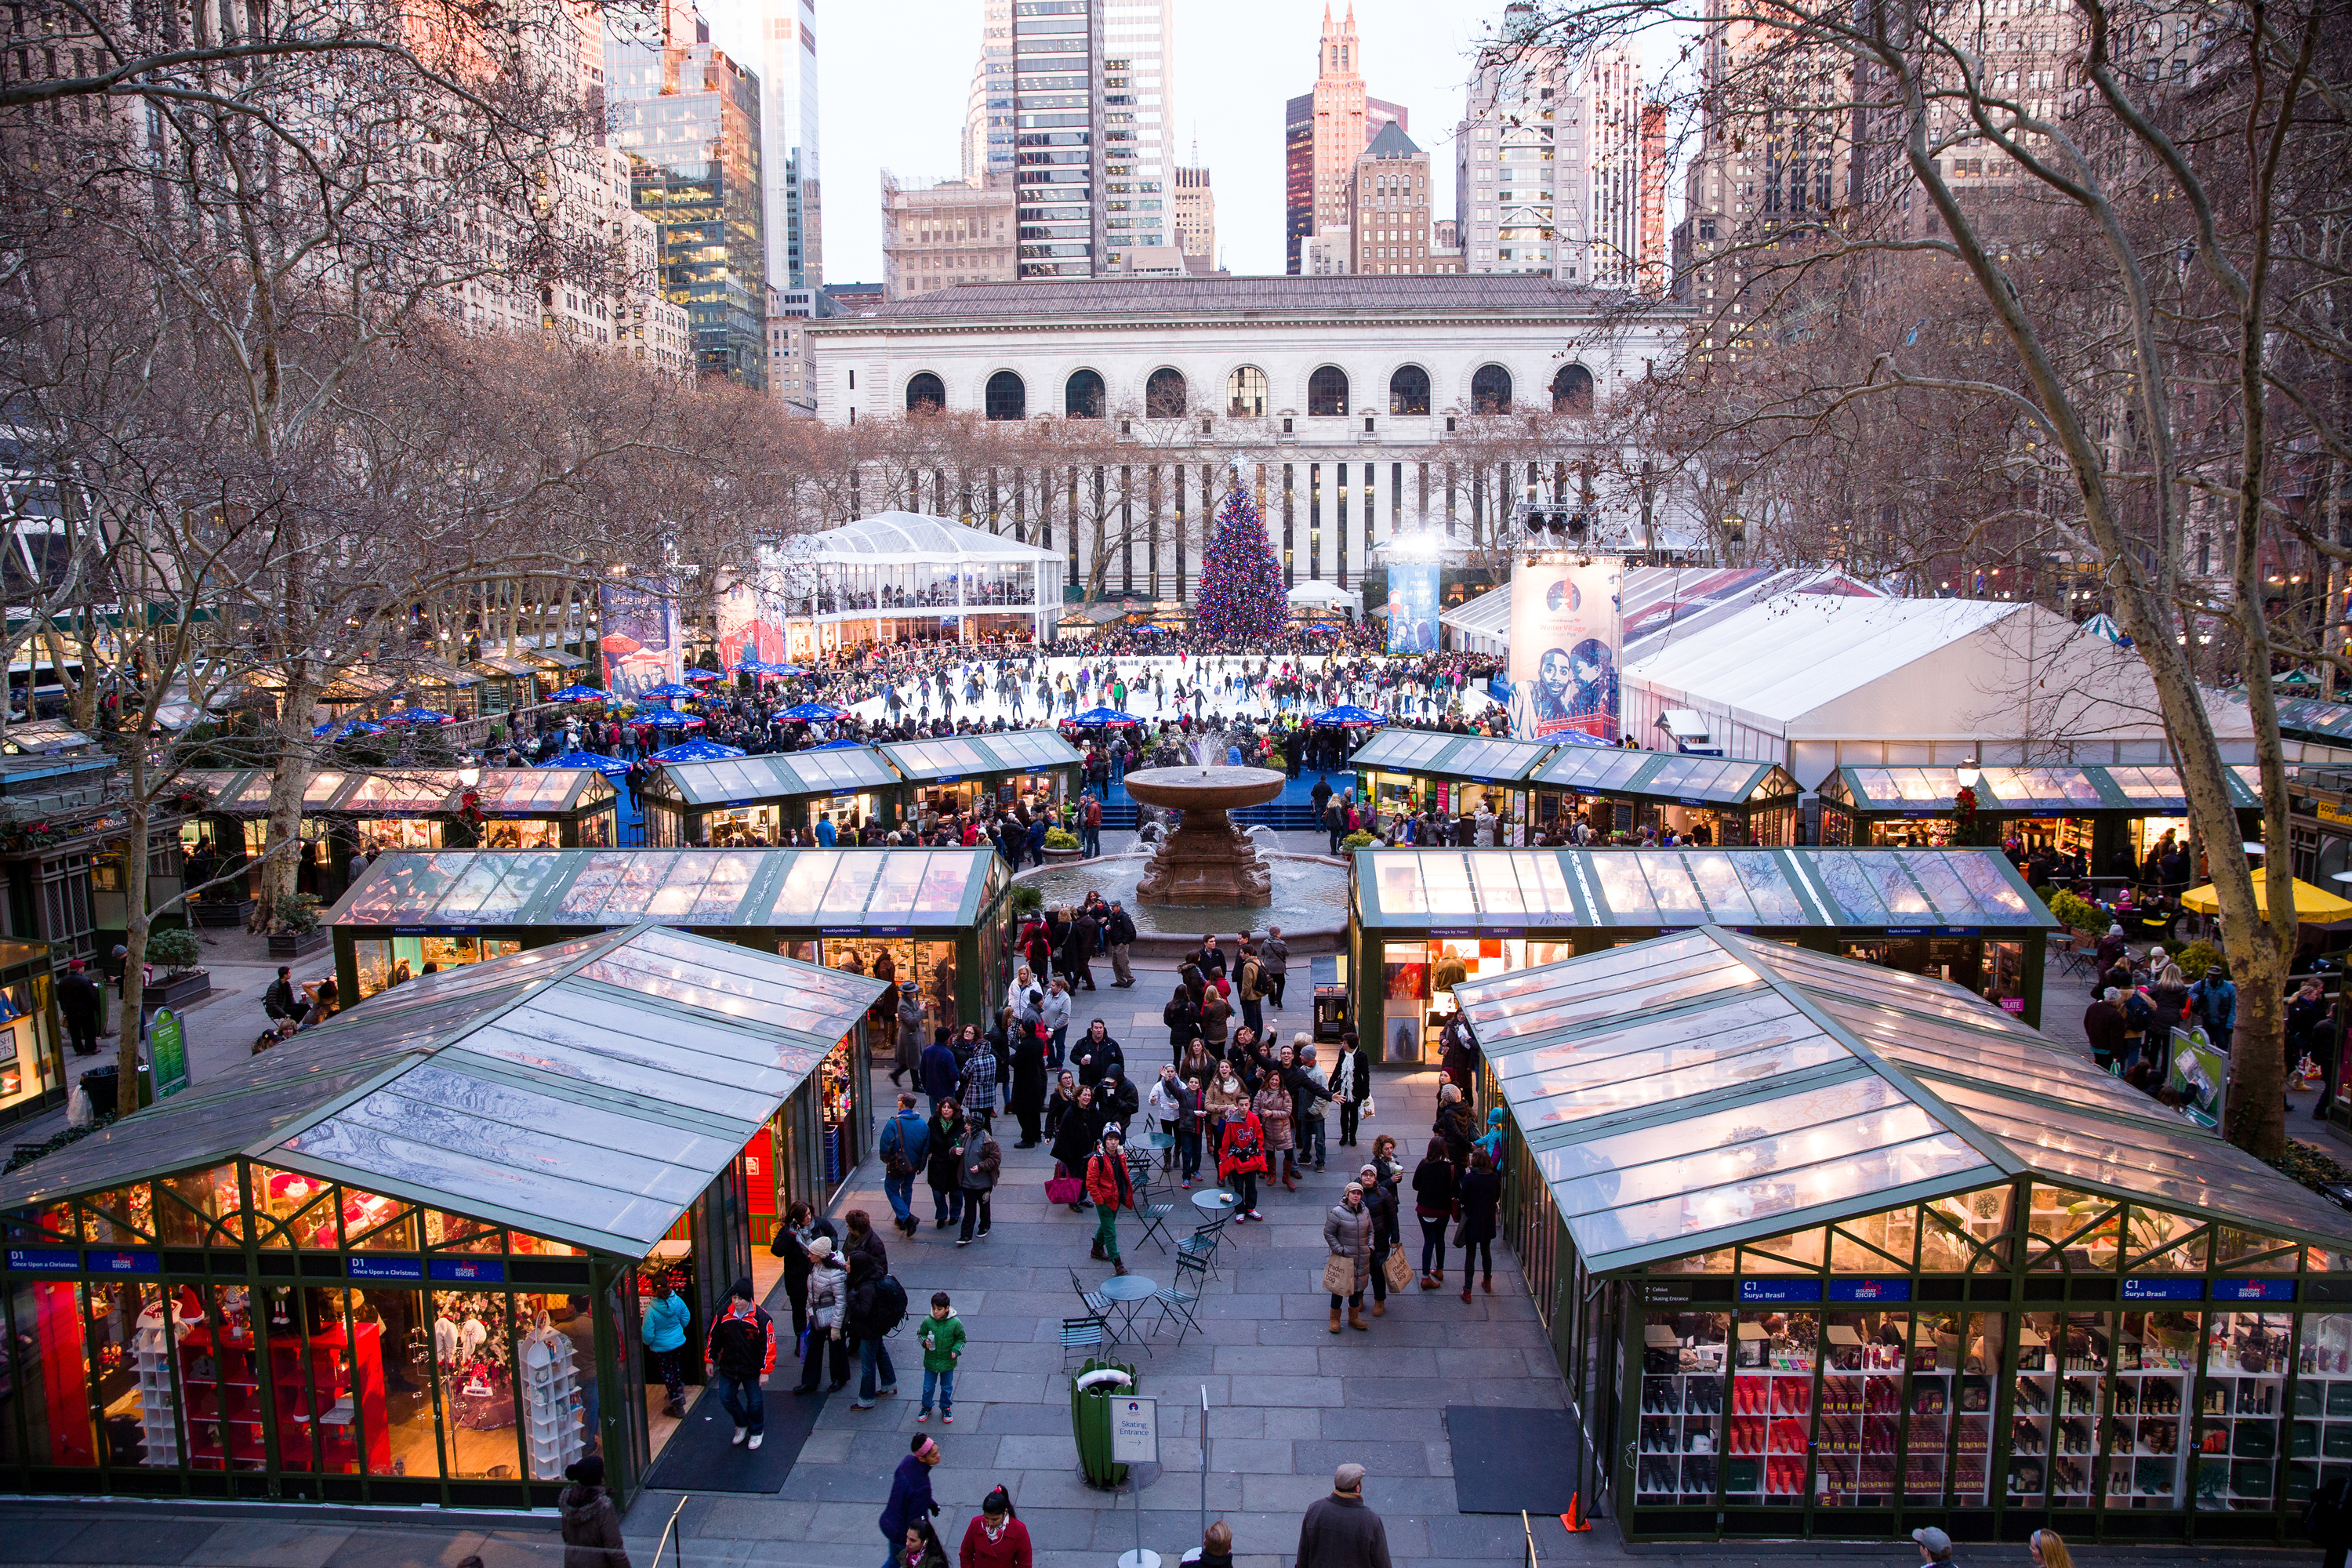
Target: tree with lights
1241	596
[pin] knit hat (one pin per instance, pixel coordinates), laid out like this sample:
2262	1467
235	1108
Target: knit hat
1495	1117
820	1246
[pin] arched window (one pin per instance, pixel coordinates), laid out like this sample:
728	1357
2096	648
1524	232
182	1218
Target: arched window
1571	390
1245	393
1082	396
1327	390
1490	390
926	393
1409	390
1007	398
1163	395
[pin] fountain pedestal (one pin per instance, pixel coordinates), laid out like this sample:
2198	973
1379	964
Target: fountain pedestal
1207	860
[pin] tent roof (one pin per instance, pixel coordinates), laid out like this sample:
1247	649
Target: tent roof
588	1092
708	888
1489	613
1875	889
1664	605
1448	755
907	538
1707	1087
2051	791
961	756
775	774
1678	777
412	792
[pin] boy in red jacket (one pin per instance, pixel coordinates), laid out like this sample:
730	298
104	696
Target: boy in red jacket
741	1352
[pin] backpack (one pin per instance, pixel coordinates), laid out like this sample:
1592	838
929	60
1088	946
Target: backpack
889	1307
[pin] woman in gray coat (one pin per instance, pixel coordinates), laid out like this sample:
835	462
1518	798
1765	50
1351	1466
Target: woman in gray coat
1347	1234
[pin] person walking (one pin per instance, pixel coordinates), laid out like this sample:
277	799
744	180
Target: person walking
1352	1085
996	1538
1380	1203
1453	1124
1249	987
1096	1052
1111	1189
1338	1530
1348	1236
904	1146
1241	1150
1433	1206
943	1165
663	1326
1476	1199
1074	1138
739	1353
869	1264
980	1076
982	1159
828	1308
1273	954
1054	1014
1090	828
1029	1074
911	1505
908	1053
942	1338
1120	930
78	1001
591	1524
942	1072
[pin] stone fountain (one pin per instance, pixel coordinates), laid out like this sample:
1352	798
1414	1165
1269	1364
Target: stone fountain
1207	860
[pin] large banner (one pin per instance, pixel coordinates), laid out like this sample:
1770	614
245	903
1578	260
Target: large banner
1567	630
749	625
641	642
1412	606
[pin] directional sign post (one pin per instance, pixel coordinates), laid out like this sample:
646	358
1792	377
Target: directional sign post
1134	1442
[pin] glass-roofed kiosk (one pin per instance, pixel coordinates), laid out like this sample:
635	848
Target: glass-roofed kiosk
1835	1251
2098	813
1424	921
1404	772
951	776
753	800
403	1258
1725	801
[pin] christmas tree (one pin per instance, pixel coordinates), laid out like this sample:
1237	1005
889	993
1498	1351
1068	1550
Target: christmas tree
1242	597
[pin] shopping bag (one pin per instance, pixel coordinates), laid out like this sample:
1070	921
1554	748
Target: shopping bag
1367	1112
1339	1275
1457	1232
1398	1267
1064	1189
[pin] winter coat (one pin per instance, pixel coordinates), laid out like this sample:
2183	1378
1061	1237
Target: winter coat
910	1499
911	1021
1056	1012
1009	1550
1348	1233
1243	1147
1094	1058
1453	1125
1107	1183
979	1083
1272	1105
1351	1077
828	1297
907	1137
1479	1194
1432	1189
1224	1101
1215	1012
939	1072
1183	1020
942	1341
664	1323
2215	1002
983	1157
743	1342
1074	1138
591	1528
945	1167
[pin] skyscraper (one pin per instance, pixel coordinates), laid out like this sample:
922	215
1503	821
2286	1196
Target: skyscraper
988	113
1388	206
1196	214
1139	46
780	38
688	115
1324	132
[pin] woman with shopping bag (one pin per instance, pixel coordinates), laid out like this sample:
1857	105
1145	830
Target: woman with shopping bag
1348	1236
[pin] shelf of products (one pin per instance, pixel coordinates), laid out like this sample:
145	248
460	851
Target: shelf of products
2156	1366
839	1105
1862	1411
1772	1410
2319	1442
331	1389
1682	1406
2242	1408
2057	1406
550	1401
217	1370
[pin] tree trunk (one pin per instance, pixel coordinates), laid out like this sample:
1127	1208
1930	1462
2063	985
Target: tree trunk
289	780
134	955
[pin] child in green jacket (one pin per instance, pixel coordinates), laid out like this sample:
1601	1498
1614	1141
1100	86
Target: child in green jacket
941	1337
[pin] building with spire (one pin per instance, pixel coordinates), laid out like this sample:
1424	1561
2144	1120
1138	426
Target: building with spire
1324	132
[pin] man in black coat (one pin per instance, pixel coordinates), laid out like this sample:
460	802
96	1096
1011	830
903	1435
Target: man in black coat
77	1004
1096	1053
1078	950
1119	928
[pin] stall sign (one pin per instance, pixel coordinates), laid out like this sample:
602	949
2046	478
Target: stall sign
2253	1290
2013	1004
1441	934
1869	1289
363	1267
433	930
733	804
2164	1289
44	1260
1771	1292
123	1262
168	1048
469	1271
841	930
1685	800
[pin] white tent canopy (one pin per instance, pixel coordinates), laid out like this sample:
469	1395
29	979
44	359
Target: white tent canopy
1484	625
1815	682
1314	594
907	538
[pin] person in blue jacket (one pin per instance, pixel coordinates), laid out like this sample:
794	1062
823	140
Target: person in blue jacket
910	1502
2213	1002
905	1147
942	1075
664	1324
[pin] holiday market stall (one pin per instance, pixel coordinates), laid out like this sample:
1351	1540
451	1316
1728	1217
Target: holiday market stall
1423	921
752	799
952	776
2098	813
1835	1252
1715	801
1403	772
403	1258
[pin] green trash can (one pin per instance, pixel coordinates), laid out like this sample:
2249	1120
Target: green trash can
1090	1420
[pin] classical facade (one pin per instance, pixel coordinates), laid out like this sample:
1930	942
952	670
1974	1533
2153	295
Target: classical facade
1352	402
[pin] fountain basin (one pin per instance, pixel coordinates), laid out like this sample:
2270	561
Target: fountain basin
1309	902
1190	789
1207	862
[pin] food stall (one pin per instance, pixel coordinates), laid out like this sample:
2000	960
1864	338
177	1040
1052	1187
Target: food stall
345	810
1423	922
753	799
2095	811
44	737
32	1044
1726	802
1032	767
402	1259
1836	1253
1403	771
507	682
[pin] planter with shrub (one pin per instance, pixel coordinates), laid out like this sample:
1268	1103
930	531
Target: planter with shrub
1062	845
174	951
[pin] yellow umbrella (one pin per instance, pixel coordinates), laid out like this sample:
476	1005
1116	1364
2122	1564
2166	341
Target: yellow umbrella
2312	905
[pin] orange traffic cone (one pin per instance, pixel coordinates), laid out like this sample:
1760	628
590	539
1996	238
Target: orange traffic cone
1574	1521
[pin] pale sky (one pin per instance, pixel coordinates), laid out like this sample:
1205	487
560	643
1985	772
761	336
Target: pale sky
894	76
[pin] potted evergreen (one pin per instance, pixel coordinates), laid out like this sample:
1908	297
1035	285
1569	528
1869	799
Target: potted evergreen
296	931
173	951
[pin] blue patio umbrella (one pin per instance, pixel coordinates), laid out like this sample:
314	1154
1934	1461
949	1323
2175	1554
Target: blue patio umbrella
786	669
668	718
579	694
348	728
418	716
611	767
755	666
1098	719
1346	714
669	691
704	675
812	714
697	752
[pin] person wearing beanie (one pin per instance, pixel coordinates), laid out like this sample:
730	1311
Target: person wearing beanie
741	1352
828	1302
591	1524
910	1502
1338	1530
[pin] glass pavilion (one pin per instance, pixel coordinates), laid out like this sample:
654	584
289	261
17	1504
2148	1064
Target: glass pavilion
1424	921
1834	1251
954	775
2095	811
1731	802
1402	771
402	1258
753	800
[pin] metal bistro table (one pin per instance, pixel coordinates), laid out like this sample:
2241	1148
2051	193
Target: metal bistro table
1215	1203
1127	1293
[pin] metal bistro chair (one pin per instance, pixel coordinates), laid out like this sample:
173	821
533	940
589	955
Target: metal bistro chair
1097	1307
1087	1333
1177	1302
1204	1243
